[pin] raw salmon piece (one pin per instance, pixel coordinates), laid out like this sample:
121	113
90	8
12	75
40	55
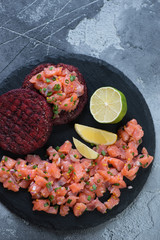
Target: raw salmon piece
51	71
45	192
123	134
64	210
79	208
70	103
118	179
33	159
52	210
118	164
76	187
74	155
71	201
78	172
66	147
83	198
115	190
113	151
53	170
34	190
101	189
100	206
145	160
8	162
112	202
40	181
129	171
10	184
61	191
92	205
41	205
105	175
24	184
52	153
61	200
4	173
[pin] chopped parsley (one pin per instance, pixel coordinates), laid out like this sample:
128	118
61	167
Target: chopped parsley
98	181
145	165
49	185
110	173
94	187
3	169
50	68
57	87
62	156
46	204
54	78
48	80
9	181
55	109
38	76
60	94
57	148
129	167
28	177
18	162
141	156
88	170
69	200
140	163
75	155
103	153
57	189
71	99
55	206
49	94
5	159
140	140
132	153
67	81
54	154
123	146
87	183
51	197
89	198
44	89
116	184
72	78
65	105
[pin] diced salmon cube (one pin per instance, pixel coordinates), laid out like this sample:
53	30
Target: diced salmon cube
64	209
79	208
41	205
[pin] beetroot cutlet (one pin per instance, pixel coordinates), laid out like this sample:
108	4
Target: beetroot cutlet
25	121
64	117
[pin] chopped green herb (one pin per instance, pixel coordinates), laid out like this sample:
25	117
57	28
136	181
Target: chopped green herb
51	197
75	102
57	148
133	153
20	175
48	185
9	181
5	159
123	146
57	87
116	184
147	155
67	81
54	154
87	183
28	177
8	170
38	76
60	94
82	179
55	206
69	201
71	99
40	90
49	94
44	89
127	147
46	204
74	173
103	153
110	173
65	105
50	68
3	169
54	78
95	163
49	100
75	155
141	156
18	162
91	163
94	187
92	144
110	165
88	170
145	165
48	80
45	172
140	163
57	189
129	167
46	178
98	181
72	78
70	169
89	198
62	156
140	140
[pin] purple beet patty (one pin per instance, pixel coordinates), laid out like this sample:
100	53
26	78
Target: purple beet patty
25	121
64	117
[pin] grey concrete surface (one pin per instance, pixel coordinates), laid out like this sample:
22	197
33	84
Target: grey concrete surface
126	34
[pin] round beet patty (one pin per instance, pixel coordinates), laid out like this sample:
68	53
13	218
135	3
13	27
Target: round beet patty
64	116
25	121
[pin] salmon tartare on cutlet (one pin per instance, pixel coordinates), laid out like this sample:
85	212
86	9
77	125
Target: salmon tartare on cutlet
64	88
67	181
25	120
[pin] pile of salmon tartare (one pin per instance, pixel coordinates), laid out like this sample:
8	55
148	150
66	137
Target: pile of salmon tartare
67	181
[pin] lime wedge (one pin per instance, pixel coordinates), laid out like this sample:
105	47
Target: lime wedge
84	150
94	135
108	105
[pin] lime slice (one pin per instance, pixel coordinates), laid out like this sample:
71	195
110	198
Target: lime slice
108	105
84	150
94	135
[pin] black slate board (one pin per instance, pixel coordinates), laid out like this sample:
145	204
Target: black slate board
97	74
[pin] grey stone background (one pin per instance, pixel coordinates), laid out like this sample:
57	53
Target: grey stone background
126	34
